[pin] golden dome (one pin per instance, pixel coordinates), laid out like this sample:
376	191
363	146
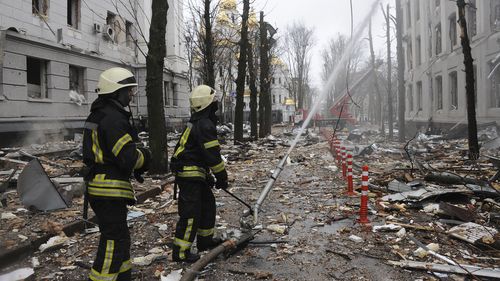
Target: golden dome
252	20
228	4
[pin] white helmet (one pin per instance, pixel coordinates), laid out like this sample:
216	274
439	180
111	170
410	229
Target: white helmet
201	97
114	79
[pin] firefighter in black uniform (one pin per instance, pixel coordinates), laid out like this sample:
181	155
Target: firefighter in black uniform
196	157
111	155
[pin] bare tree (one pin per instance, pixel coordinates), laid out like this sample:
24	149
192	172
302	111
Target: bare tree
299	42
378	111
469	83
253	91
331	56
154	86
240	80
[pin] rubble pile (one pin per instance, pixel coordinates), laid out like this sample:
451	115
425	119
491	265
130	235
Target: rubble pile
432	211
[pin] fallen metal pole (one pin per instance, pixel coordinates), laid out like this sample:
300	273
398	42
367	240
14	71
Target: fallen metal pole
239	200
195	269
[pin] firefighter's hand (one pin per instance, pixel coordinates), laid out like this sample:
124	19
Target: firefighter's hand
138	176
221	184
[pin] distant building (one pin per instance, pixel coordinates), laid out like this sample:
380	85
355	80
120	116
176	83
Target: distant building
434	69
52	52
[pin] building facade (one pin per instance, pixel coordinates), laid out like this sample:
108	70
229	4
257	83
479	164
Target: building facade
52	52
434	69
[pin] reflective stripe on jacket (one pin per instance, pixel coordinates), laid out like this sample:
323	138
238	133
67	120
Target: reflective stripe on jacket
109	151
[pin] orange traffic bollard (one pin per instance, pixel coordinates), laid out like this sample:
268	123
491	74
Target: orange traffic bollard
344	164
363	210
350	185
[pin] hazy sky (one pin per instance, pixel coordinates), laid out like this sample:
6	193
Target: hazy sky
328	17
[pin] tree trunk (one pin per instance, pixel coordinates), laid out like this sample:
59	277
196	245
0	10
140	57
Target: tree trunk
240	80
154	87
401	72
389	75
253	93
264	70
378	112
209	63
469	83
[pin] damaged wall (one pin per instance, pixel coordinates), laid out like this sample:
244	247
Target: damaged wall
51	61
432	67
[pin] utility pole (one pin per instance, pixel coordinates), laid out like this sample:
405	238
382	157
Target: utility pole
401	72
389	72
469	82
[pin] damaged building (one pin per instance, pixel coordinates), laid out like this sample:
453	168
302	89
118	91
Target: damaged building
52	52
434	71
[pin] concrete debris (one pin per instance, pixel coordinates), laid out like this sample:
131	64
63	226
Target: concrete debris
18	274
172	276
356	239
386	227
147	260
421	253
54	242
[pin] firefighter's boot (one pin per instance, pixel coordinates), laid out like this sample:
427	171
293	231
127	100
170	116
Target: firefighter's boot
184	256
208	243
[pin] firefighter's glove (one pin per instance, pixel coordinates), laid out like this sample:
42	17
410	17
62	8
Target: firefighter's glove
138	177
221	185
221	182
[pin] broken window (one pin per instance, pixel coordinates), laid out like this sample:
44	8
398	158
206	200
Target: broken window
175	94
439	92
112	26
40	7
453	30
419	96
410	97
408	14
453	90
417	9
495	14
438	39
495	88
274	99
166	93
73	13
419	50
76	79
36	76
472	18
409	55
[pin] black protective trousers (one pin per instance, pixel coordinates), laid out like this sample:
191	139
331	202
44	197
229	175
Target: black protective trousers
112	261
196	207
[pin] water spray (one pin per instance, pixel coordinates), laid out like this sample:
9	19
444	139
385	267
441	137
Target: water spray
277	171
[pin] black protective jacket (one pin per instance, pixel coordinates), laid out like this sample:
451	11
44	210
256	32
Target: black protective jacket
198	150
110	152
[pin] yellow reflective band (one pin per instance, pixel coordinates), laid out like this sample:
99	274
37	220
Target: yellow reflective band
107	192
183	245
184	139
100	181
126	266
206	232
108	256
191	174
218	168
96	148
140	160
97	276
120	143
211	144
188	229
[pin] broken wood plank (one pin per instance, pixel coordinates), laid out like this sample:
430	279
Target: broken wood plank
458	269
